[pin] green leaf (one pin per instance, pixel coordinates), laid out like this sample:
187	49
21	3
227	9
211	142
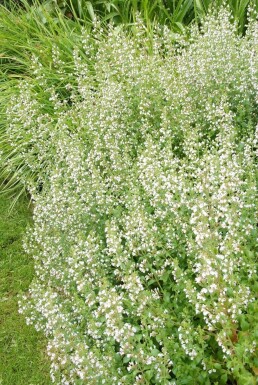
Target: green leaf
90	10
224	378
167	297
244	325
126	359
155	352
148	375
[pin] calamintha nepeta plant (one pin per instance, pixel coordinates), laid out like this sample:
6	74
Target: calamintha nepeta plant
145	232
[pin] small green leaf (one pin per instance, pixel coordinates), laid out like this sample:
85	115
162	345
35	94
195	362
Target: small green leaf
166	297
155	352
224	379
148	375
244	325
126	359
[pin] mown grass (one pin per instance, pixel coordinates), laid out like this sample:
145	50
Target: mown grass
22	350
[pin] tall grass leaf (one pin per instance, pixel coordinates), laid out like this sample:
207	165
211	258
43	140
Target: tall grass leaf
90	10
181	10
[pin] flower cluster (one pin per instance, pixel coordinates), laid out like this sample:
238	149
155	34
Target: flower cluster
144	235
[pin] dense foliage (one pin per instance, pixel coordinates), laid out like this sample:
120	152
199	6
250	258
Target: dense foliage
145	233
39	27
175	13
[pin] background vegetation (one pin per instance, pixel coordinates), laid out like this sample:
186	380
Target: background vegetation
176	13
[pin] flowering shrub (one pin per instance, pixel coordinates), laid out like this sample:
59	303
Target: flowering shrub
145	232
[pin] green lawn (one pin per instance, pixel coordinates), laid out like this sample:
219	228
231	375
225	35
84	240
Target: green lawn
22	350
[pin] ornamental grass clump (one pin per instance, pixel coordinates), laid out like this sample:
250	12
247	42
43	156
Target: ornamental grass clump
29	44
145	233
